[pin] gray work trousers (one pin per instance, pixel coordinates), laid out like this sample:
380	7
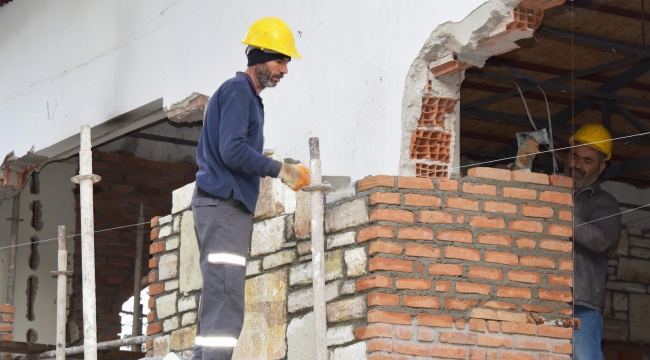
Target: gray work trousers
223	228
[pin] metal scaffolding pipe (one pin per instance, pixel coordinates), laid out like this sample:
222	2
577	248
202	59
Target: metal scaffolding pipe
137	279
11	275
61	294
86	179
106	345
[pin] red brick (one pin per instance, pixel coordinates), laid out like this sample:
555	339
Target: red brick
421	301
477	325
372	331
525	243
154	234
566	264
7	309
385	198
449	352
156	289
425	334
557	357
6	328
157	247
487	222
436	217
562	347
451	337
381	263
376	181
537	261
392	215
459	304
153	263
514	292
560	280
379	345
499	305
479	272
536	308
154	328
556	245
531	277
422	251
555	295
154	221
378	299
410	348
556	197
559	230
495	239
494	326
494	341
460	203
483	189
530	177
374	282
455	235
461	253
435	320
555	332
381	356
413	284
152	303
8	318
415	233
422	200
374	233
526	226
414	183
151	277
472	288
565	311
561	181
565	215
446	269
490	173
500	207
477	354
501	258
519	193
460	218
385	247
448	185
389	317
518	328
537	211
443	286
516	355
151	316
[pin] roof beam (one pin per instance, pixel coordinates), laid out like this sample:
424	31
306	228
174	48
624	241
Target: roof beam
603	43
638	124
606	9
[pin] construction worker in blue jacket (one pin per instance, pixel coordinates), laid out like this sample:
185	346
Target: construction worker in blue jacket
230	161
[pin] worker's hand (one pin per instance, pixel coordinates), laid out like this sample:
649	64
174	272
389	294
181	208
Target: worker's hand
529	147
294	176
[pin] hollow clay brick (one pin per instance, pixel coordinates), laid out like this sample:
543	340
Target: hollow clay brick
430	145
434	109
526	19
430	171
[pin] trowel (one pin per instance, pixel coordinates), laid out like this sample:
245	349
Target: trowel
527	145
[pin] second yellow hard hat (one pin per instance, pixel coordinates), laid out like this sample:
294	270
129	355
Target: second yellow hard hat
596	136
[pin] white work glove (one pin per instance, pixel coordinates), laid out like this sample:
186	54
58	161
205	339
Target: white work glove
294	176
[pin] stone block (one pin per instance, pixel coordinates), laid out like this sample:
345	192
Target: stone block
275	198
164	220
279	259
172	243
348	287
623	243
625	286
352	352
176	228
254	268
340	335
171	285
345	310
187	303
620	316
639	318
168	267
161	346
302	222
188	319
346	216
607	307
620	301
268	236
615	330
340	194
183	339
304	247
302	274
182	198
344	239
300	338
265	320
190	273
635	270
638	252
640	242
356	260
166	305
171	324
290	231
304	299
165	231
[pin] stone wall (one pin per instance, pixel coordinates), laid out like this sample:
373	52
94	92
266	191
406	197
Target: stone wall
467	268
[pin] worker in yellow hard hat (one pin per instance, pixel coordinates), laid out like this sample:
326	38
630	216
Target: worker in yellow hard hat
597	222
231	161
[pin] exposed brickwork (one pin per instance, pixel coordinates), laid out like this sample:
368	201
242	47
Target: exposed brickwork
526	19
430	145
434	109
430	171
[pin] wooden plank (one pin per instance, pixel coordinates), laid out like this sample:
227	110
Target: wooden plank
17	347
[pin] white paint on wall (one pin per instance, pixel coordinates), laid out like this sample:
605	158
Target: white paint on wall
83	62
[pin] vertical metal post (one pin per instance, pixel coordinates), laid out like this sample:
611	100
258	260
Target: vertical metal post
137	315
61	294
86	179
317	250
11	276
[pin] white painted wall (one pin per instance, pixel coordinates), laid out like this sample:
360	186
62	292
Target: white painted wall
86	61
58	207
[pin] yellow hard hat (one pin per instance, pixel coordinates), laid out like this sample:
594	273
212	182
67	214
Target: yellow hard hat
597	136
272	34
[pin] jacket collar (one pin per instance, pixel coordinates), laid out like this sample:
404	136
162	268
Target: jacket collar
250	82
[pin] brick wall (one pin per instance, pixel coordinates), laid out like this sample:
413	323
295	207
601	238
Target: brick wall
6	326
126	182
477	268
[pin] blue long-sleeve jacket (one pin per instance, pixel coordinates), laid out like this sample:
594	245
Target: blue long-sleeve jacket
229	154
